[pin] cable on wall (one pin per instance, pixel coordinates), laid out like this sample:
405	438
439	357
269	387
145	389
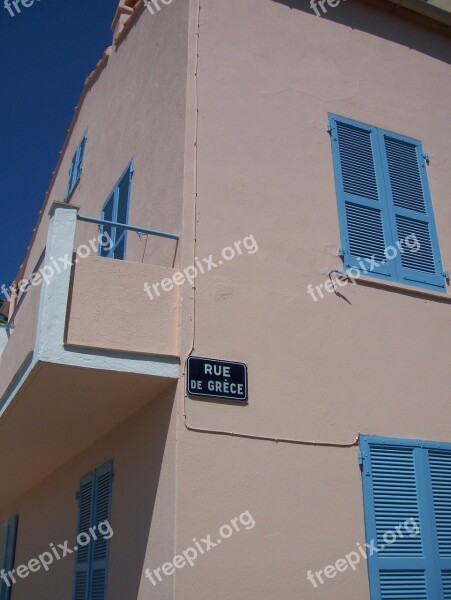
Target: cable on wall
278	440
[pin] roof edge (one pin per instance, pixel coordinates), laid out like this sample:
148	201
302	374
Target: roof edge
431	9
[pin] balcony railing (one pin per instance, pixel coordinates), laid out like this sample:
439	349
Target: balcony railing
143	230
101	223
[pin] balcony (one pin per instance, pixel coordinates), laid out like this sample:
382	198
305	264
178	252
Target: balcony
84	348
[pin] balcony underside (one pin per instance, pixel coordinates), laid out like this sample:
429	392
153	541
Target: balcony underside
58	412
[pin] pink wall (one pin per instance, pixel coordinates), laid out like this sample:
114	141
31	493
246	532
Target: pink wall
22	339
109	308
268	74
257	160
142	508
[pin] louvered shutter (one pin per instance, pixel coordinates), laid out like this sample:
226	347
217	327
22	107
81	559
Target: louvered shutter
72	171
108	215
123	195
362	208
102	512
8	538
83	554
80	157
402	481
440	474
411	209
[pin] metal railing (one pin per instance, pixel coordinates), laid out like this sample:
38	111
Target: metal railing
172	236
100	222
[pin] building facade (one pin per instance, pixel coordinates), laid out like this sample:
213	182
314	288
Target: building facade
281	173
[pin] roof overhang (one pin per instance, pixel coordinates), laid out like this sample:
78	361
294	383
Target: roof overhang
438	10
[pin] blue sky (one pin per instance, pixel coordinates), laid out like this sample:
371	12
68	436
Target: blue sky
46	51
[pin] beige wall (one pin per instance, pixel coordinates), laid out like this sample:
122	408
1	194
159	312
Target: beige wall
258	156
21	340
109	308
268	75
143	449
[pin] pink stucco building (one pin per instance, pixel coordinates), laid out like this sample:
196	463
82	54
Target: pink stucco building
298	157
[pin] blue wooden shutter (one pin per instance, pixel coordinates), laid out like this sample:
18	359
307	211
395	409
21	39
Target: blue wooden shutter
116	209
405	480
108	214
123	196
80	157
91	560
72	171
83	554
362	204
9	552
440	474
102	512
411	210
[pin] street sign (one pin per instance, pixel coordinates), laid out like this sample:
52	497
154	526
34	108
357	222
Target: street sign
211	378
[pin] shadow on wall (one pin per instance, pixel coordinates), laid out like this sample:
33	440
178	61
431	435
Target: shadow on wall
135	496
383	20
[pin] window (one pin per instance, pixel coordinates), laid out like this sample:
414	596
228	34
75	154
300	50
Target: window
8	533
406	481
115	210
91	559
383	198
76	167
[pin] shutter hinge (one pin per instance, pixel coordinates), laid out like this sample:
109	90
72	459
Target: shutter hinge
329	129
77	495
446	275
426	156
364	463
341	252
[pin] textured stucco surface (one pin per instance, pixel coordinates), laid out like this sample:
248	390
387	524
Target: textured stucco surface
143	449
109	295
22	339
268	74
257	160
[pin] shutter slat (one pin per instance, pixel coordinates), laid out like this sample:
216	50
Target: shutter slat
366	235
405	179
357	163
395	498
403	585
446	579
